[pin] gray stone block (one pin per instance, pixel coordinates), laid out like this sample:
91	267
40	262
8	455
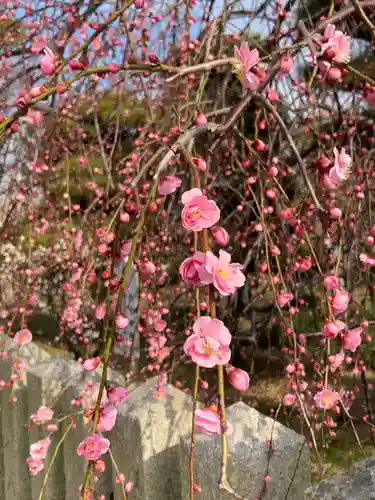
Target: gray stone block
249	459
145	441
358	483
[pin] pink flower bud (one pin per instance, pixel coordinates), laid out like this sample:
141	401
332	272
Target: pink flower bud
239	379
286	63
335	213
91	364
200	119
220	235
334	74
139	4
200	164
289	399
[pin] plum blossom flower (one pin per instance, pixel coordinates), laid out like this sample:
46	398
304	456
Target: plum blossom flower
331	282
208	346
42	415
336	45
169	185
283	298
23	337
289	399
189	269
336	361
332	328
208	422
225	277
246	60
353	339
39	450
341	168
92	364
107	418
35	465
366	259
116	395
326	399
199	212
48	62
93	447
340	301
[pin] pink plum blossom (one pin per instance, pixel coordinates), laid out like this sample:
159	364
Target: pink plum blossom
331	282
366	259
42	415
336	45
39	449
116	395
169	185
208	422
283	298
326	399
225	277
48	62
107	418
341	168
340	301
208	346
121	321
353	339
289	399
199	212
336	361
23	337
35	465
101	311
246	60
189	269
92	363
93	447
332	328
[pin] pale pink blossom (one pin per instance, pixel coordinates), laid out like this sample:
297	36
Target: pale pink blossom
147	268
331	282
353	339
332	328
208	422
116	395
42	415
48	62
283	298
208	346
189	269
121	321
220	235
23	337
92	363
289	399
366	259
239	379
35	465
225	277
246	60
101	311
169	185
39	449
341	168
107	418
199	212
327	399
336	361
336	45
340	301
93	447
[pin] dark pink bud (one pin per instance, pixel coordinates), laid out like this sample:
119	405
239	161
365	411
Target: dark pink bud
200	164
239	379
200	119
220	235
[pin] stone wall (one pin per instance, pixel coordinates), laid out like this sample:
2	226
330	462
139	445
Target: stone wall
150	442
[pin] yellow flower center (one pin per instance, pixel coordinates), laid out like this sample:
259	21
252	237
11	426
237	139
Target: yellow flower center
196	212
223	274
